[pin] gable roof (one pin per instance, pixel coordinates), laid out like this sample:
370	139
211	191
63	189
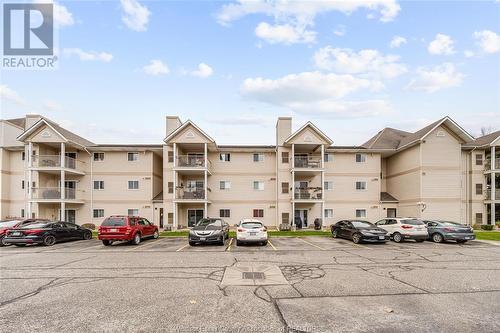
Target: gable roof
314	128
390	138
387	197
485	140
64	133
186	124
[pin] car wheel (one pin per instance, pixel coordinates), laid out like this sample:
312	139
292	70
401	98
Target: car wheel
156	234
461	241
49	240
192	243
106	242
356	238
334	233
397	237
137	239
437	238
87	236
2	242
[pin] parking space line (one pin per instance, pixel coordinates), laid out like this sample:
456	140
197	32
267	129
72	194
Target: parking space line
319	247
229	246
269	242
179	249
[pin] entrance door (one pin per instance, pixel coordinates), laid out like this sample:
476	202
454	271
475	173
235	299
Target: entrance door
70	189
161	217
301	218
391	212
70	215
194	215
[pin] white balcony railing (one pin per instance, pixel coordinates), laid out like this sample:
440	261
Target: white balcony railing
308	193
54	193
192	161
308	162
488	194
195	193
487	165
54	161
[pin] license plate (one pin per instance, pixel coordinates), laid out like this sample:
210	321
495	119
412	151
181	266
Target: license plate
112	230
468	237
253	234
17	233
203	238
381	237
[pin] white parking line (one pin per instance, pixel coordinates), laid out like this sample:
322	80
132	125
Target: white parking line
229	246
179	249
269	242
319	247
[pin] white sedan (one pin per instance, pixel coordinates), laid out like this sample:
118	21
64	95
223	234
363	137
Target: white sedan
251	231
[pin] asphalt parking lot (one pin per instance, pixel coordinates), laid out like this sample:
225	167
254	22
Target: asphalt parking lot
317	284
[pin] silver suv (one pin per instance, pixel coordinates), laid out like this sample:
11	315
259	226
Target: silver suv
401	228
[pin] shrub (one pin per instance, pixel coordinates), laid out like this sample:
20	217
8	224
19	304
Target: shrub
487	227
476	226
90	226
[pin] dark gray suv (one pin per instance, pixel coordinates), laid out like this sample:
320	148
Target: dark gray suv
209	230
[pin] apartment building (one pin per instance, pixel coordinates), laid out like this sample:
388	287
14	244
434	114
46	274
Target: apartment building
439	172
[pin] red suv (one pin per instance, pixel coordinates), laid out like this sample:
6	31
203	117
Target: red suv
126	228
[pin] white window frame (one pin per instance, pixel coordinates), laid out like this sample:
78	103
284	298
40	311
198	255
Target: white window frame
98	215
133	209
132	189
260	157
361	209
328	188
361	189
99	160
362	158
328	157
327	216
258	187
226	186
225	157
133	153
99	187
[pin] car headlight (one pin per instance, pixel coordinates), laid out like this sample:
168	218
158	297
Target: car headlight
366	233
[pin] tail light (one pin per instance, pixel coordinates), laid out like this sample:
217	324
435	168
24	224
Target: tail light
263	229
32	231
405	226
241	230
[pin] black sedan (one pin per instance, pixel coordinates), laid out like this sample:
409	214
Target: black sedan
46	233
209	230
359	231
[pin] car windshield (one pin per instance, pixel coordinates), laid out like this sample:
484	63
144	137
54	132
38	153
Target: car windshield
251	225
114	222
8	224
35	225
361	224
209	223
413	222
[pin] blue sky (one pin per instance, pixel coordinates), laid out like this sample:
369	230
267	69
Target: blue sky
233	68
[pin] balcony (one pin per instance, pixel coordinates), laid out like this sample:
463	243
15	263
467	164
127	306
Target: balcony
195	193
51	194
487	164
488	194
307	162
53	162
192	162
308	193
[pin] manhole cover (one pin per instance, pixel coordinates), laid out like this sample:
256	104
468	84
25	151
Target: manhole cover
253	275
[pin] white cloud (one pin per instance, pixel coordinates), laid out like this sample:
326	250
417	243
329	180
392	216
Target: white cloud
469	54
315	92
62	16
89	55
156	67
436	78
488	41
294	18
397	41
442	44
203	71
340	30
284	33
363	62
8	94
135	16
52	106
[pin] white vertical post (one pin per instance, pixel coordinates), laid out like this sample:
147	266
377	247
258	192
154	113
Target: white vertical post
323	192
30	179
493	185
174	174
63	181
293	184
205	181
